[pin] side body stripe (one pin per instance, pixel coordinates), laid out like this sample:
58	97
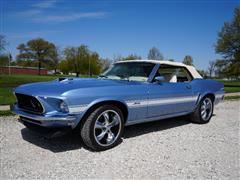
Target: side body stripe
143	103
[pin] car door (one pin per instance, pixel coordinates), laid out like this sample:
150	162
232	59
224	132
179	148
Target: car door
172	96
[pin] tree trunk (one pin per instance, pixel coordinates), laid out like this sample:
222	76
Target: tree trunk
77	74
39	67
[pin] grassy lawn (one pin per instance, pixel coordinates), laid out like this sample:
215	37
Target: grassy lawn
6	96
231	89
231	86
6	113
230	83
16	80
232	98
8	82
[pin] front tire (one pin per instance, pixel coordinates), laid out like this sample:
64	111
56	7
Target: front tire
203	112
103	128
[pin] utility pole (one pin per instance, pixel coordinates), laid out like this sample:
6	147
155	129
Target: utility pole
9	63
89	67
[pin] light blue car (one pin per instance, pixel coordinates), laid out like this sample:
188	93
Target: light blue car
130	92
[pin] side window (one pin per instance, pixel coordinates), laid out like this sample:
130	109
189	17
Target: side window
174	74
183	75
168	73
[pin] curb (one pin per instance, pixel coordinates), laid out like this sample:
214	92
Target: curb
5	108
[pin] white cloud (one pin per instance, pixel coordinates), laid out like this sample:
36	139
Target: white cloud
69	17
29	12
32	34
45	4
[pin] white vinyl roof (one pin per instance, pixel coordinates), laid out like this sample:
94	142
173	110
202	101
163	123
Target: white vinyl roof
191	69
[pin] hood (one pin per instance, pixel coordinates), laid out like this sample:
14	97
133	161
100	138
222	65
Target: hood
56	87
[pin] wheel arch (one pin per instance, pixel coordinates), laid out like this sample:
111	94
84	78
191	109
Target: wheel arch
121	105
210	94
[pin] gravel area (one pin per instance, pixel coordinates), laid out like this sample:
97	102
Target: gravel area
169	149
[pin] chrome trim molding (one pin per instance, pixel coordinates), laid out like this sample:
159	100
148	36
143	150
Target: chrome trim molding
160	101
141	103
78	108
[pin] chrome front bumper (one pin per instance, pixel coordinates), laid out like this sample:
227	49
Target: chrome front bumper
51	120
219	98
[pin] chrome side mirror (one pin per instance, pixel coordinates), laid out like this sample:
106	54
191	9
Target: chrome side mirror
159	79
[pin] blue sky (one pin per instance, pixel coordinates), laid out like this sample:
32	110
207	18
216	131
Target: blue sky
112	28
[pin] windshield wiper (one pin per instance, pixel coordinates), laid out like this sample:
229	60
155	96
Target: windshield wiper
102	76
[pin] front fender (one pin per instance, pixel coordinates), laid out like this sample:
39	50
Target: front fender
82	109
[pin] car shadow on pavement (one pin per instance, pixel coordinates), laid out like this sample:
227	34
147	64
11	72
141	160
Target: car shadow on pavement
72	141
64	143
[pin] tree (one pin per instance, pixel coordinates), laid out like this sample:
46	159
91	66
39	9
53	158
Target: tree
26	63
64	67
4	60
202	73
94	64
55	57
228	44
211	67
37	50
132	57
105	64
78	58
4	57
3	43
155	54
82	60
188	60
220	68
117	57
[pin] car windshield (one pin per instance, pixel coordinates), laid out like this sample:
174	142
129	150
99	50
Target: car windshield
131	71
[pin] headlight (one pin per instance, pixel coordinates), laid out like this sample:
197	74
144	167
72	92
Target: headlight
63	107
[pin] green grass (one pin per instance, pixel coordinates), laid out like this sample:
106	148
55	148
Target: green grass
232	97
16	80
230	83
231	89
6	113
230	86
7	83
6	96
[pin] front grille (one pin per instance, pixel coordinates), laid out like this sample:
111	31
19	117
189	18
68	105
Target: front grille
29	103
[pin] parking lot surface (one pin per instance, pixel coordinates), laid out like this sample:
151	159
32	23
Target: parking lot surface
173	148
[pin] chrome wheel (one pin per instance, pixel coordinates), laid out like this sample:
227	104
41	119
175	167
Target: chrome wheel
107	128
206	109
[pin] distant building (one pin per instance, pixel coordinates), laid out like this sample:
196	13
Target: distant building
53	71
21	70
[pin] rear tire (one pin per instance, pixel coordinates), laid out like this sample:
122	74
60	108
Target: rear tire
204	111
103	128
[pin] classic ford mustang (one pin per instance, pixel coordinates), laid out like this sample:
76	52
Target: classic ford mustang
130	92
